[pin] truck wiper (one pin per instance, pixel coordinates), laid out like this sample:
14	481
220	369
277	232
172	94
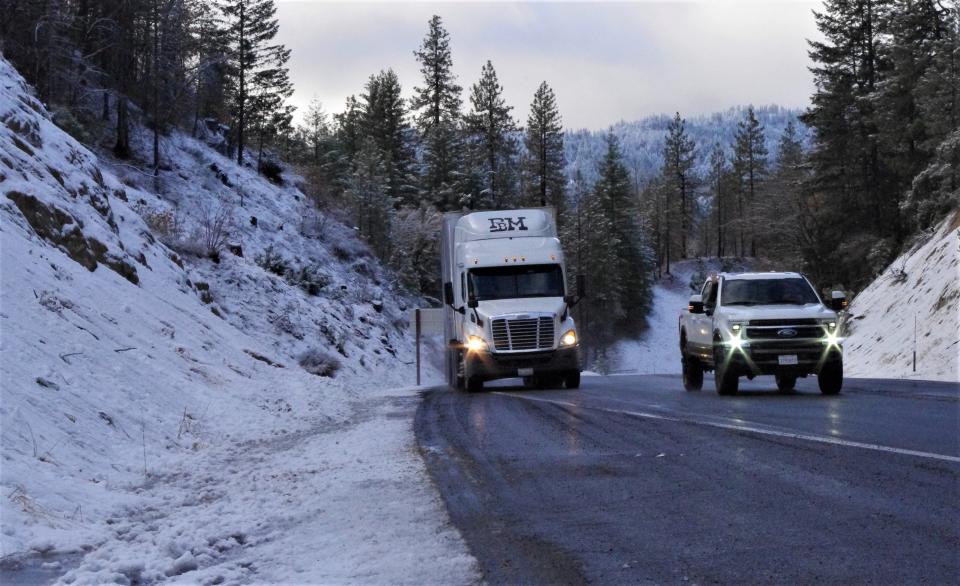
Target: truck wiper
741	303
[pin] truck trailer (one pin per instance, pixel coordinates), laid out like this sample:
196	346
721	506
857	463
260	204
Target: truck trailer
506	306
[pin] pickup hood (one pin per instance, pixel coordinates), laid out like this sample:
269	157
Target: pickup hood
784	312
498	307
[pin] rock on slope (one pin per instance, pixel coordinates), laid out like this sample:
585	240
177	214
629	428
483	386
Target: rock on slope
154	415
922	285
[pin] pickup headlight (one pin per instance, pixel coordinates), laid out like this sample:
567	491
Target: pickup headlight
829	324
568	339
476	344
737	327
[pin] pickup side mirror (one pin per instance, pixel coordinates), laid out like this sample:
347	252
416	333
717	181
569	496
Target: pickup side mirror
472	302
448	294
838	301
696	304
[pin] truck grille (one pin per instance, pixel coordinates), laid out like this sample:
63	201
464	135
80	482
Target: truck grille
523	334
775	332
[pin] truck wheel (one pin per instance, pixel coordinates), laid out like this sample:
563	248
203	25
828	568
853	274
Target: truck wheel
726	382
572	379
786	382
830	377
692	374
474	384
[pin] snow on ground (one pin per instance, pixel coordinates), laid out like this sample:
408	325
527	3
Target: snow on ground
922	285
657	351
154	415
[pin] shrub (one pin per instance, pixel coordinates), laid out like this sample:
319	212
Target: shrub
319	362
272	171
272	261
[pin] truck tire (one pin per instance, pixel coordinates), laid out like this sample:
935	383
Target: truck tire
474	384
572	379
830	377
692	374
726	382
786	383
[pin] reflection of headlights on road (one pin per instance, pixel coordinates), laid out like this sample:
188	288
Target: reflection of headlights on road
569	339
476	344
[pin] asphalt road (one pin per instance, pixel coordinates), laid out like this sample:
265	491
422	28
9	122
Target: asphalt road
632	480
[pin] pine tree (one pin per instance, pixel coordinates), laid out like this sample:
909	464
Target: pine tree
385	121
367	192
437	102
489	127
260	81
544	165
678	159
750	164
718	169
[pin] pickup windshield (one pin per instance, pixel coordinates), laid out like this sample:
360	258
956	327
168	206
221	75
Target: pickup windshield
516	281
767	292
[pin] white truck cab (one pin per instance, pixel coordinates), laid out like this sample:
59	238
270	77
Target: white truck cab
506	307
749	324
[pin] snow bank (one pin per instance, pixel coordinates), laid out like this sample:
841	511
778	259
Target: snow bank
922	287
154	414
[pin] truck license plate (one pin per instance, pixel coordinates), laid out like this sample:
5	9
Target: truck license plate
787	359
524	372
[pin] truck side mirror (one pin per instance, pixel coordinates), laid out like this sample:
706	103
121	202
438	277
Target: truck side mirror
838	301
696	304
472	302
581	286
448	294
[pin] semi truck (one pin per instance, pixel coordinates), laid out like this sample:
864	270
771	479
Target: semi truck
506	306
750	324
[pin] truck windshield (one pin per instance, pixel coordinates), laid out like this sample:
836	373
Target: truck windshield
767	292
516	281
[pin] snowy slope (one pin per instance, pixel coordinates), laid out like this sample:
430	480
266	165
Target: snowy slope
922	285
154	414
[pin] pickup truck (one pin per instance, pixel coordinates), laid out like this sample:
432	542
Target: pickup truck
750	324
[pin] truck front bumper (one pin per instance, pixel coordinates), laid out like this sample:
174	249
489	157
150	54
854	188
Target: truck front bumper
489	365
761	358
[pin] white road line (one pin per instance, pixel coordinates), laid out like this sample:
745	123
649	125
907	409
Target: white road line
747	428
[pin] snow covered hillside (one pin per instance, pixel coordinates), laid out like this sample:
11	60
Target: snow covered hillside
922	287
198	385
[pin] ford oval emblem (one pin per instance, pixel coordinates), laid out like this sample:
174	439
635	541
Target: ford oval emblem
787	333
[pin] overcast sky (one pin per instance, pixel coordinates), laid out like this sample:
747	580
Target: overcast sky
606	61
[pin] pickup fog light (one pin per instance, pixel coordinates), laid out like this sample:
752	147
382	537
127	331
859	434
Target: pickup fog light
735	342
476	344
832	340
569	339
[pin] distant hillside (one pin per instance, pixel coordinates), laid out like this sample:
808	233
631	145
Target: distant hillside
642	140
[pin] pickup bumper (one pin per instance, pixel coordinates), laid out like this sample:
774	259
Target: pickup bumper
760	358
489	365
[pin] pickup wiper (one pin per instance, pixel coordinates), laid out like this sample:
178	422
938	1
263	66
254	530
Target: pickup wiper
740	303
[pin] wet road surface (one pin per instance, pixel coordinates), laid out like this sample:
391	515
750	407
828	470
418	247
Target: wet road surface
632	480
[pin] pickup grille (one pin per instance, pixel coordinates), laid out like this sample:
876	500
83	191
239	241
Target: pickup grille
773	332
523	334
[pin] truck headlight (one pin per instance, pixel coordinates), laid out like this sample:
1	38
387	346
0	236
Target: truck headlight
568	339
476	344
737	327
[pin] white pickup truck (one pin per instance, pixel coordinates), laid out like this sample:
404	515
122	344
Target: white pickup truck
749	324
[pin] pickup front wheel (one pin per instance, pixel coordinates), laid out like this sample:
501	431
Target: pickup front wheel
830	377
727	382
692	374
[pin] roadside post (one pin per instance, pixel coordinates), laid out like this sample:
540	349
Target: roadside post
426	322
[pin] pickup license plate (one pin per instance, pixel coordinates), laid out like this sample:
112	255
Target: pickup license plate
787	359
524	372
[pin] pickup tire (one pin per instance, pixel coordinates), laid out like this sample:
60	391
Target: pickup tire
572	379
692	374
786	383
830	377
474	384
727	383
